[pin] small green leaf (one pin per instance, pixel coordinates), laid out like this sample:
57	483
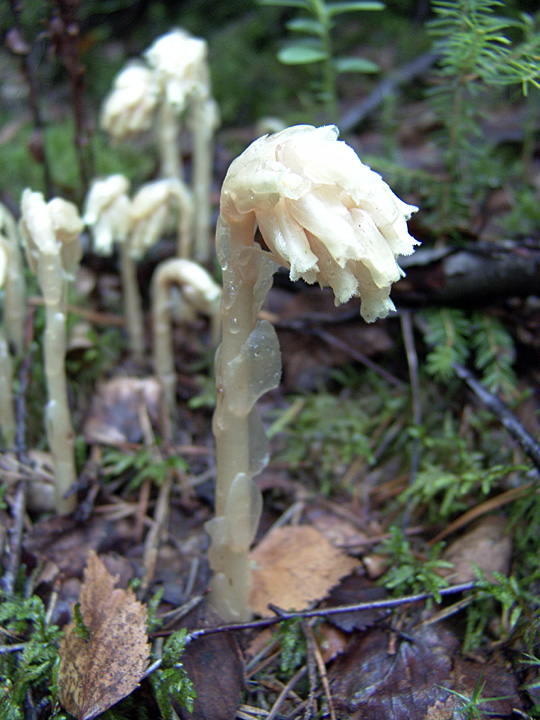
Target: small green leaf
306	25
80	628
301	55
355	64
343	7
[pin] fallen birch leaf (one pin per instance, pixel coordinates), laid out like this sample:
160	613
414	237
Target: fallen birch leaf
487	545
293	566
97	672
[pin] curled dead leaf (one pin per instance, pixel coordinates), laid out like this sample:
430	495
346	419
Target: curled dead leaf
98	670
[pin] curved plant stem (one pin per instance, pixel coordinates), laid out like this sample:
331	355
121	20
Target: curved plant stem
168	142
247	365
132	299
58	418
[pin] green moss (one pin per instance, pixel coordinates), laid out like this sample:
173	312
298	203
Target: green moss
20	170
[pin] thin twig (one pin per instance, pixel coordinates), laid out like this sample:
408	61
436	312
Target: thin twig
151	546
283	694
17	43
321	612
387	87
529	445
479	510
326	612
312	641
311	709
11	572
64	29
357	355
310	325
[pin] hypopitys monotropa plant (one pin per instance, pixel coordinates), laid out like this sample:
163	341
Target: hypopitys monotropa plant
176	84
50	233
135	225
198	293
13	317
176	59
14	310
7	414
327	218
180	66
108	214
155	207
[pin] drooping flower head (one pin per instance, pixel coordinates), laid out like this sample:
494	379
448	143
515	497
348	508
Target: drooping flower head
179	64
323	214
152	209
50	232
107	211
129	107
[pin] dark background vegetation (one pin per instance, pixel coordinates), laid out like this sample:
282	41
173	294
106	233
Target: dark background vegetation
431	454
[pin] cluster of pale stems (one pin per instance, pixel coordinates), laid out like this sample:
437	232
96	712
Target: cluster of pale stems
170	86
323	215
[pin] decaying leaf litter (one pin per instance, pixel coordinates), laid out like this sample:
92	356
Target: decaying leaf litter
145	494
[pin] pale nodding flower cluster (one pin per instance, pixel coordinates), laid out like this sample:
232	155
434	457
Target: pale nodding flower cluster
170	88
327	218
324	215
50	232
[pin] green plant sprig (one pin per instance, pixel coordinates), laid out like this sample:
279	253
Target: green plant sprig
519	603
316	22
31	668
454	335
453	474
170	679
476	53
472	706
145	464
409	572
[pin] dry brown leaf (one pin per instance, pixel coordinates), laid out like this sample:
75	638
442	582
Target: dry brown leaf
293	566
386	676
487	545
215	665
96	673
117	404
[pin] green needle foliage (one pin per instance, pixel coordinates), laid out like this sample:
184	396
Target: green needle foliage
324	433
145	464
29	669
315	22
170	680
494	354
454	474
447	334
453	336
476	54
293	646
517	601
471	707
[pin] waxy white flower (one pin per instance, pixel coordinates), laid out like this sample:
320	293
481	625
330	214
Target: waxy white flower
50	232
179	63
151	212
51	236
4	252
129	107
323	214
107	212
